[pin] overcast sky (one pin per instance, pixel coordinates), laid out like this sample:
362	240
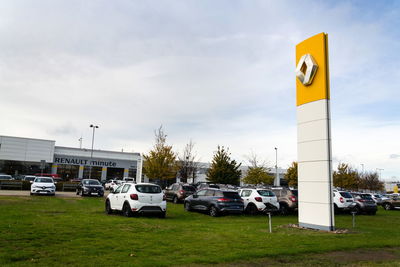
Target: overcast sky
215	72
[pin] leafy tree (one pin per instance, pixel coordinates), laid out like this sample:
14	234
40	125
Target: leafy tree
370	181
346	177
257	172
160	162
187	165
291	175
223	170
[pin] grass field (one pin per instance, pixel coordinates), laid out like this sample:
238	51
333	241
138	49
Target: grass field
48	231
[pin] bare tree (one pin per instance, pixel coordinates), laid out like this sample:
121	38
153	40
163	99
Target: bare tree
187	163
257	172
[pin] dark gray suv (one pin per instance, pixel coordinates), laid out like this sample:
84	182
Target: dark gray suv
215	202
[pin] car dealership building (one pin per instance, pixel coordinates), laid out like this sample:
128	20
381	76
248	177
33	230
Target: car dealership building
20	156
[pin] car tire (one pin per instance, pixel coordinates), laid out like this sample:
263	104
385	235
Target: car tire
126	210
31	194
77	192
108	207
175	200
387	206
214	211
335	209
162	215
251	209
357	210
187	206
372	213
283	209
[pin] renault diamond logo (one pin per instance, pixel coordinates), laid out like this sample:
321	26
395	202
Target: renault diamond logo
306	69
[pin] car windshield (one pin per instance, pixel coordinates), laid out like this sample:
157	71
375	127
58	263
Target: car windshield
188	188
266	193
43	180
346	195
378	196
150	189
91	182
231	195
5	177
213	186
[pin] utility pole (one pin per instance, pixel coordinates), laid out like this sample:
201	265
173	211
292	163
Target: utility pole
91	153
277	180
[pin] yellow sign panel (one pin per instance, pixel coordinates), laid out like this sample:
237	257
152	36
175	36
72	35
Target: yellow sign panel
396	189
314	50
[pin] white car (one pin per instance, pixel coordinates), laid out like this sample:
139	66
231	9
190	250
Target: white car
43	186
134	199
111	184
259	200
343	201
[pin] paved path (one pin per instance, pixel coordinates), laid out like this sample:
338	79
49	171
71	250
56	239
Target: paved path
27	193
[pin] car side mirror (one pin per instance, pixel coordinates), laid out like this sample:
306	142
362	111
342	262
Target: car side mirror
111	190
55	182
195	196
31	182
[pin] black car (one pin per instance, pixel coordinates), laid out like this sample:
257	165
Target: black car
215	202
90	187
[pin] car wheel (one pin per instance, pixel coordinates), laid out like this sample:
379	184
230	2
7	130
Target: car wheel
283	209
387	206
251	209
372	212
357	210
77	192
175	200
31	194
108	207
126	210
162	214
214	211
187	206
335	208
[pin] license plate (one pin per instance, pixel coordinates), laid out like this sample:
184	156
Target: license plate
43	192
94	193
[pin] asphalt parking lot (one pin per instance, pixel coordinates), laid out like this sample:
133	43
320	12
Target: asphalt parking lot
27	193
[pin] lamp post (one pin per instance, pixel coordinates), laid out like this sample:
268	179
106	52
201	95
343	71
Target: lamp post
362	166
379	170
91	153
277	181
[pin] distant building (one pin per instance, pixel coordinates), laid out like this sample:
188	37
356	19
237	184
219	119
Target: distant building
20	156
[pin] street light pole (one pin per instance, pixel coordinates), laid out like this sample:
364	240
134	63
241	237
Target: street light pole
362	166
91	153
277	181
379	170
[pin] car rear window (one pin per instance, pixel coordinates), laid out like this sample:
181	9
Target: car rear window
346	195
231	194
266	193
213	186
188	188
366	197
150	189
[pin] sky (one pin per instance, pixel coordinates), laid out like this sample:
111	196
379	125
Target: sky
214	72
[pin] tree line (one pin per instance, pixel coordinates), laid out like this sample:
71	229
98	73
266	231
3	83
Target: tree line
345	177
165	165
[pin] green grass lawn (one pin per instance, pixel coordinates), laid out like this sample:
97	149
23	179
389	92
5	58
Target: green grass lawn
48	231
